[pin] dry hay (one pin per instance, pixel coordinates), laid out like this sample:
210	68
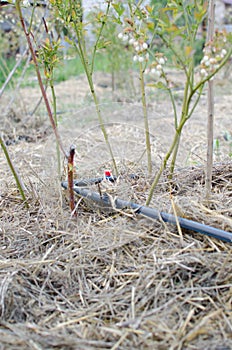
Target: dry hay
115	281
112	281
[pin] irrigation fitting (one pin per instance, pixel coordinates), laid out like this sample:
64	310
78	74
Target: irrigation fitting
105	203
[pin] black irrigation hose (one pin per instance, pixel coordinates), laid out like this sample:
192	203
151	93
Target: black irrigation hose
104	202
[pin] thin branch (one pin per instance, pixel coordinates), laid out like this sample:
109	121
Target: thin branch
19	181
98	38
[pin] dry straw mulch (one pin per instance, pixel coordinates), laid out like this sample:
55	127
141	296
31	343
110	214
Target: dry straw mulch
116	281
111	281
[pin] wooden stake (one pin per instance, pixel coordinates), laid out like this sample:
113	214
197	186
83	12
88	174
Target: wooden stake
210	123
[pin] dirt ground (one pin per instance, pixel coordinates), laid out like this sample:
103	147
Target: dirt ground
114	281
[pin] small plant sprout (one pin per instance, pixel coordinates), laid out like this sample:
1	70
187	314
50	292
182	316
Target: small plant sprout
217	148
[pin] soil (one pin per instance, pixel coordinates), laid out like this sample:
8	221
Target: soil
116	280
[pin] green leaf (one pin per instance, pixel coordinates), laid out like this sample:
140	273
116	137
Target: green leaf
69	41
103	44
118	8
150	25
149	9
158	85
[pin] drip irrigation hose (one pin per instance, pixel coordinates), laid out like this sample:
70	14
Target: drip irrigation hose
105	203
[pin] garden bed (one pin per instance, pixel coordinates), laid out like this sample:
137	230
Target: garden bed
114	281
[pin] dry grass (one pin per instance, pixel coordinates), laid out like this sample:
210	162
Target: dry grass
112	281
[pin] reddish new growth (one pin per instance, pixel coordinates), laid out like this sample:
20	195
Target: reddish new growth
70	178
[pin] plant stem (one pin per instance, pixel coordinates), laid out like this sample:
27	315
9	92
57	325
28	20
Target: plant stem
183	119
19	182
200	90
166	158
176	54
88	71
146	124
70	179
56	122
187	116
98	37
174	156
172	101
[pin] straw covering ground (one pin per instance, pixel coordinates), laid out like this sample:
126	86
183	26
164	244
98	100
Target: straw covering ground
113	281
